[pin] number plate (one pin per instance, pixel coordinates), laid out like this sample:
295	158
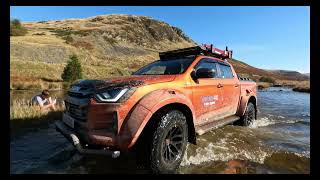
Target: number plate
68	120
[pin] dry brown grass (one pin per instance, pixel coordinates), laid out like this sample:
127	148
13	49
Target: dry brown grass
83	44
25	118
21	110
302	84
38	75
263	85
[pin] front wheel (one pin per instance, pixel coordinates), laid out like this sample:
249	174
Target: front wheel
249	116
169	142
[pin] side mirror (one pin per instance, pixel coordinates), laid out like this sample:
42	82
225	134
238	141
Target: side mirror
193	75
205	73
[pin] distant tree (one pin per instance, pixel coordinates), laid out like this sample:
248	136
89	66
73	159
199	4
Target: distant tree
266	79
16	28
72	71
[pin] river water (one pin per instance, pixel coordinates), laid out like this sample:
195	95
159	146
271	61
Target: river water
278	142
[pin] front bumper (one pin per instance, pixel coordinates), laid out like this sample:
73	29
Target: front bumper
72	137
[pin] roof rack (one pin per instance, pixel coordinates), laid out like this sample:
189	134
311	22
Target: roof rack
205	49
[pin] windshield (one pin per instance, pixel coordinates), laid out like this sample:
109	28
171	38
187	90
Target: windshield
164	67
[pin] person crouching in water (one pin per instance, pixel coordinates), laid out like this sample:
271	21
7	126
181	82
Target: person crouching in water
44	101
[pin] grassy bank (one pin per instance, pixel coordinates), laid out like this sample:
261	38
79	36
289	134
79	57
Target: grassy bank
20	110
299	86
25	118
263	85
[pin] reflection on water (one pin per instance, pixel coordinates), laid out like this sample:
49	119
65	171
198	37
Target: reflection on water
278	142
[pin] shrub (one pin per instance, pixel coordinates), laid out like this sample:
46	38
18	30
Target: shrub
266	79
16	28
72	70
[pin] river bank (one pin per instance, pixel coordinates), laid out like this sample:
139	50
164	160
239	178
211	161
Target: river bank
298	86
24	117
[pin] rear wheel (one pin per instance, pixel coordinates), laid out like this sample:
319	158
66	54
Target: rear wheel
169	142
249	116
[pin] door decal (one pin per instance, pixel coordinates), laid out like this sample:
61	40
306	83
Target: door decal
209	100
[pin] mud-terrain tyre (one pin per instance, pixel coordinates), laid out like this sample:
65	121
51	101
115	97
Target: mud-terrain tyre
169	141
249	115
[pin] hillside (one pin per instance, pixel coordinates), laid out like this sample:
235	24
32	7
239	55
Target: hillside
291	74
107	45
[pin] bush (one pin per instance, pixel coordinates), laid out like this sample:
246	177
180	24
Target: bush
266	79
16	28
73	70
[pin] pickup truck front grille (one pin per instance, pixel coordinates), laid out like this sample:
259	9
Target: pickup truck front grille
79	95
76	112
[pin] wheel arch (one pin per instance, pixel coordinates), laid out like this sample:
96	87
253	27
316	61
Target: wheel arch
188	114
141	116
244	103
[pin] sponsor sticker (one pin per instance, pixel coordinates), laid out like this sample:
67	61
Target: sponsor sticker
209	100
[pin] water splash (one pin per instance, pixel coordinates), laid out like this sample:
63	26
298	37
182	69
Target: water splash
226	149
262	122
265	121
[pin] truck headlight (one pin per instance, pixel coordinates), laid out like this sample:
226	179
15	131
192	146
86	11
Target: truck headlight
111	95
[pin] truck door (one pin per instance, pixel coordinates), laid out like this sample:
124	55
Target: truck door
207	98
230	89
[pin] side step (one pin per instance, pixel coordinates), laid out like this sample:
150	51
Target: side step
215	124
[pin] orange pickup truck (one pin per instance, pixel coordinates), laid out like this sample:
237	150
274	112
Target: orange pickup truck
160	108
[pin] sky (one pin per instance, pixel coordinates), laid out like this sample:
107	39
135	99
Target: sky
267	37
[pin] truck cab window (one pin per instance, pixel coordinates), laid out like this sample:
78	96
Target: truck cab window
225	71
204	63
